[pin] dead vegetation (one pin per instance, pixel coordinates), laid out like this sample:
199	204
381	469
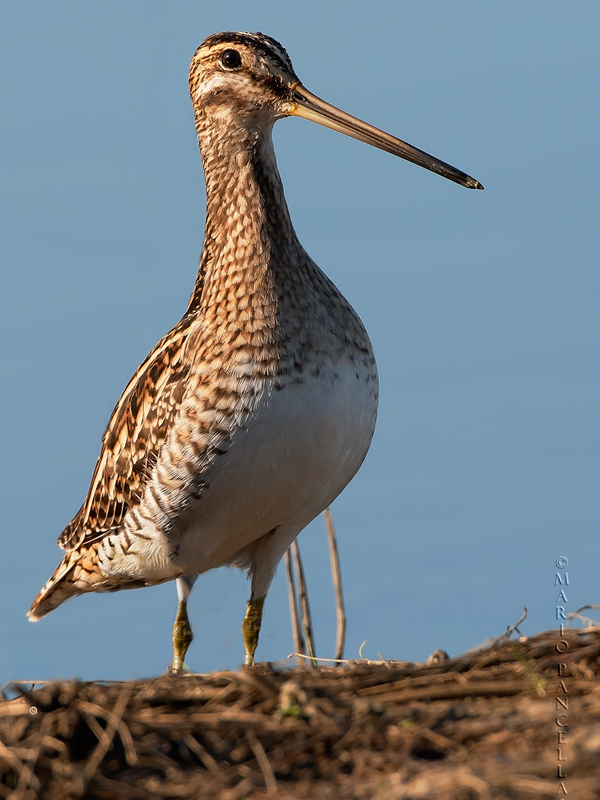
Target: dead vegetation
480	726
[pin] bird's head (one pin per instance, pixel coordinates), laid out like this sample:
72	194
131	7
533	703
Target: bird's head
246	81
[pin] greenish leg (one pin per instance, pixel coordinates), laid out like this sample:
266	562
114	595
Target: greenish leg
251	627
182	637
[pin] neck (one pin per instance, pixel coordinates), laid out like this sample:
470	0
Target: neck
248	234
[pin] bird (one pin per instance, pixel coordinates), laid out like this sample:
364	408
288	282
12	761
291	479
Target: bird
255	411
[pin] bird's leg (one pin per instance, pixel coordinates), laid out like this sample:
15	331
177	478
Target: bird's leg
182	630
182	637
251	627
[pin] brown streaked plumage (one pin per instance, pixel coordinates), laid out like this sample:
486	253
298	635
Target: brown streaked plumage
254	412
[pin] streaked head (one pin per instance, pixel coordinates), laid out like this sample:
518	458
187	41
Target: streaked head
244	76
247	81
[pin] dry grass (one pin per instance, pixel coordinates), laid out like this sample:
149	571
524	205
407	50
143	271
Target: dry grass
480	726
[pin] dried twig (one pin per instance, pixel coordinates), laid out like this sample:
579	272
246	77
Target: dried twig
336	574
307	628
106	736
591	622
263	763
24	770
294	616
205	757
509	631
324	660
354	661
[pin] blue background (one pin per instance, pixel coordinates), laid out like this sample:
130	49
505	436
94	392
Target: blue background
482	307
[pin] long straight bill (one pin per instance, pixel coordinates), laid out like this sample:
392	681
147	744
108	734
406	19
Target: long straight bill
309	106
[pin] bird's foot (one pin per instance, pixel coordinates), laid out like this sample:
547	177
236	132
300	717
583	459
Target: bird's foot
182	638
251	627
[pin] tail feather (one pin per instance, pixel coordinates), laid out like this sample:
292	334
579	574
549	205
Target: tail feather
77	573
55	591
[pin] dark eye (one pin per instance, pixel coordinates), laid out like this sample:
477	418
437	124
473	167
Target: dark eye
231	59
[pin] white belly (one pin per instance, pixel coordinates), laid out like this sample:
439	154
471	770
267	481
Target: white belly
302	446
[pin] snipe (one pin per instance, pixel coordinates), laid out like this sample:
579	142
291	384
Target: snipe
254	412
